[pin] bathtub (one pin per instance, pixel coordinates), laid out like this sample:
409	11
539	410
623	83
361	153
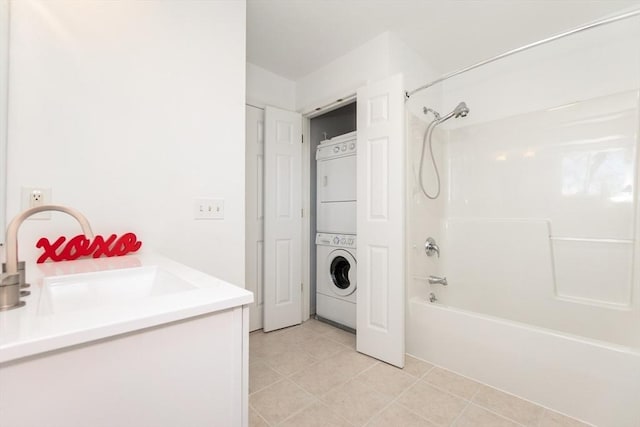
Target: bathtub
589	380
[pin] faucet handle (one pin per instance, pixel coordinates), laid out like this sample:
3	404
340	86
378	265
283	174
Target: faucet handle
21	273
9	279
10	291
430	247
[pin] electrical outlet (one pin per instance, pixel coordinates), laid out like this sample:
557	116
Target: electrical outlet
205	208
36	196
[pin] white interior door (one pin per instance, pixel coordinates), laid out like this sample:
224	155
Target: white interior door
282	219
380	225
254	211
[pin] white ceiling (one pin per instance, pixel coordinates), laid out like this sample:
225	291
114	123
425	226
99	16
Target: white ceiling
292	38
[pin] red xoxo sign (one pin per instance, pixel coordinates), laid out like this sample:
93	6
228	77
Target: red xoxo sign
81	246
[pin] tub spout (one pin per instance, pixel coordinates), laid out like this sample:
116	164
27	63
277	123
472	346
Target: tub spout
435	280
11	267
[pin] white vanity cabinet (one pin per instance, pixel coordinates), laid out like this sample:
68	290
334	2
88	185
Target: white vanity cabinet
186	367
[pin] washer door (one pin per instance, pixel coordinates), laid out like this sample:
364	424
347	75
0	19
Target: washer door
342	271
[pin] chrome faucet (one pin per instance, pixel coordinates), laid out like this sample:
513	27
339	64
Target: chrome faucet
435	280
430	247
10	297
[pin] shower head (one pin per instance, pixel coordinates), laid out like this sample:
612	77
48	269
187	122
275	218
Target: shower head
461	110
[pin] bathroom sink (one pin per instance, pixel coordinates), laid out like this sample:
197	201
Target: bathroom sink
62	294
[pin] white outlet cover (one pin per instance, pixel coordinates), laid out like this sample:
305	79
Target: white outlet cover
26	195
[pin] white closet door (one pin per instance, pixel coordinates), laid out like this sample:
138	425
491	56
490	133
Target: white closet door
283	222
254	202
381	201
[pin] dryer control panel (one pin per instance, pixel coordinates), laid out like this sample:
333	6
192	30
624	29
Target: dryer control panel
339	146
336	240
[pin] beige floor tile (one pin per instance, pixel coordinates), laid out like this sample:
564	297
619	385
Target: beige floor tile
322	347
431	403
289	359
261	376
279	401
254	358
416	367
256	335
316	415
263	345
256	420
317	326
508	406
398	416
351	363
356	401
342	336
256	342
327	374
387	379
453	383
475	416
296	352
293	335
259	337
319	378
554	419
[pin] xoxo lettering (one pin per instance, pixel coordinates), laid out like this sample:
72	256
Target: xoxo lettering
80	246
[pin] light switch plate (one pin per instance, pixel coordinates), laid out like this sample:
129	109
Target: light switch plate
205	208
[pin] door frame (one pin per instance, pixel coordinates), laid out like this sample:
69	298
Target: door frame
307	115
257	308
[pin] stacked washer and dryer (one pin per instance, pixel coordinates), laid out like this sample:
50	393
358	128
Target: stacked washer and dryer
336	226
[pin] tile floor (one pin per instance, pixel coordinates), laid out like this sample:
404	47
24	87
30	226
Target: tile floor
311	375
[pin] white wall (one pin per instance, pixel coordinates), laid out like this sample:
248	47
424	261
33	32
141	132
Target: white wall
267	88
344	75
4	68
129	111
416	69
380	57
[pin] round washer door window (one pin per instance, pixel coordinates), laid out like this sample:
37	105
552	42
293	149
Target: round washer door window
342	270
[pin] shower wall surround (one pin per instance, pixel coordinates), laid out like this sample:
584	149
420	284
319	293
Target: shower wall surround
537	222
537	226
540	220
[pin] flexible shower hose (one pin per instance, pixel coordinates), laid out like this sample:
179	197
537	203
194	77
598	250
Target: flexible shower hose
427	136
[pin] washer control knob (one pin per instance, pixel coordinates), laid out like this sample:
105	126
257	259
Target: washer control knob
344	148
352	146
336	149
336	240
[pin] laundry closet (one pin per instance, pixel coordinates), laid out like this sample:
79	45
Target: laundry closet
329	131
333	241
324	210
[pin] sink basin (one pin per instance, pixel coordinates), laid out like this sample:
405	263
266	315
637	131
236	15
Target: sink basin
61	294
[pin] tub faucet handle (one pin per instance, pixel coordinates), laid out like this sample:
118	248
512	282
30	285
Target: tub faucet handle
430	247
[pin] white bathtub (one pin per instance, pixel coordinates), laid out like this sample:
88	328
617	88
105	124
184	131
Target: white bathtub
588	380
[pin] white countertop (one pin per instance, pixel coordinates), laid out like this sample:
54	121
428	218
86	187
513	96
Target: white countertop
36	328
